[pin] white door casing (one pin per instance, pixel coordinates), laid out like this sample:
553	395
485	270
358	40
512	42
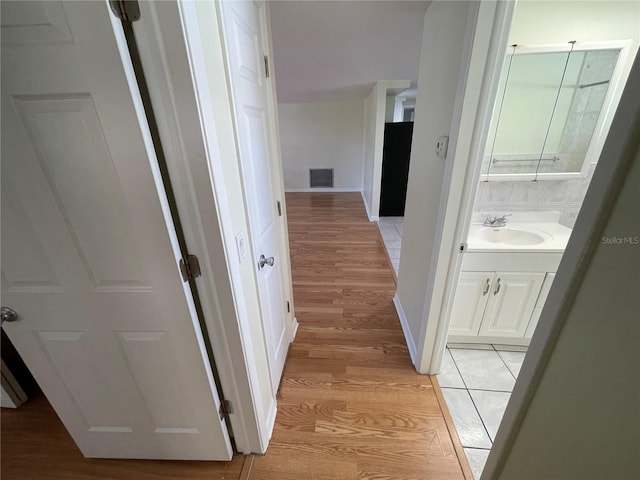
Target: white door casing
244	25
107	327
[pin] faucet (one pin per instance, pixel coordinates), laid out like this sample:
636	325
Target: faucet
496	222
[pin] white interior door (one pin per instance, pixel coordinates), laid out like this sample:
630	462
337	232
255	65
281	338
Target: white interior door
89	256
245	39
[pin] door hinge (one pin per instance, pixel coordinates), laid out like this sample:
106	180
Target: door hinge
266	66
189	267
279	208
288	307
125	10
226	407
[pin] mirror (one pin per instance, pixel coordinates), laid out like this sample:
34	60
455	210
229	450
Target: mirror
551	111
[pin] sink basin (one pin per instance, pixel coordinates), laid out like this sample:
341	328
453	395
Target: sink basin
509	236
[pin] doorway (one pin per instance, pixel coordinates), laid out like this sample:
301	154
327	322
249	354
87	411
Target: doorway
496	305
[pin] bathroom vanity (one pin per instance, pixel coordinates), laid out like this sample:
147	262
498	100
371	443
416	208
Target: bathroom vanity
507	273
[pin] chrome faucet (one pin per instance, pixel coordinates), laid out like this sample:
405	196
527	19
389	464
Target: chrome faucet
496	222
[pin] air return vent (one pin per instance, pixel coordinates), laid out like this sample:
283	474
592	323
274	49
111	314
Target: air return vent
321	177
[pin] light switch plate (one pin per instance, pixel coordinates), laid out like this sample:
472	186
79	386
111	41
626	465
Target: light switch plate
441	146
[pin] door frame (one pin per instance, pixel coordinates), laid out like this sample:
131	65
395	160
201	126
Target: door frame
275	166
487	33
469	131
200	159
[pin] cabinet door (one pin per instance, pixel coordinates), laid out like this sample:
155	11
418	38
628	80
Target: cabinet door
511	303
471	299
546	288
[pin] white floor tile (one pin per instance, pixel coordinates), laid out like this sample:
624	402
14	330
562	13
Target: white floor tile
387	221
513	360
491	406
477	458
393	243
449	375
395	262
511	348
471	346
466	419
483	370
393	253
392	236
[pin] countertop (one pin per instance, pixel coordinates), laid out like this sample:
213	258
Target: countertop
544	224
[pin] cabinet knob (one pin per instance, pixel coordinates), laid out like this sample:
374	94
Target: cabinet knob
487	287
497	287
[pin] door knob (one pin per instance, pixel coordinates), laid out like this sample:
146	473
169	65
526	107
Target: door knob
8	314
262	261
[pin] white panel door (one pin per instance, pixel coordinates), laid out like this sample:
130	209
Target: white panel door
245	39
470	301
106	325
511	304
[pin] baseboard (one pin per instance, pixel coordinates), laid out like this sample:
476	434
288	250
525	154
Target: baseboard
321	190
372	218
269	425
413	352
295	328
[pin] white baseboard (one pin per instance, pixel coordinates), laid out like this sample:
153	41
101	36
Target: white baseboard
413	353
366	207
295	328
270	424
322	190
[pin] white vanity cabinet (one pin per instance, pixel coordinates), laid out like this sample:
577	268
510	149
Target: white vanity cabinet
470	302
500	306
511	301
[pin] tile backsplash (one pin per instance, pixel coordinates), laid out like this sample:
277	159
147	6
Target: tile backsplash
565	196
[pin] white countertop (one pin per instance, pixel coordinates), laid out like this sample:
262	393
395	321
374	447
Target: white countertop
544	224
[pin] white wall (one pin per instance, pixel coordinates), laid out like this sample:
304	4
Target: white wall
373	140
584	417
389	108
442	45
537	22
322	135
375	106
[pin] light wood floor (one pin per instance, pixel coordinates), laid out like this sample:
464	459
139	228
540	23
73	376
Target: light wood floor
351	405
35	445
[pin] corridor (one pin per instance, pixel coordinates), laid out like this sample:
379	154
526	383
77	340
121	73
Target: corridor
351	404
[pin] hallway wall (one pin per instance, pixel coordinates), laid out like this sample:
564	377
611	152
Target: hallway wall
444	27
322	135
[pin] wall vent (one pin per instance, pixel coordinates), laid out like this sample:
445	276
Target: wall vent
321	177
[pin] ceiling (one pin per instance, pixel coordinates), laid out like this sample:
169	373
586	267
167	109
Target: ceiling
335	50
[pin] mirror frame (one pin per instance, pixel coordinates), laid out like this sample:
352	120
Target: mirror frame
612	98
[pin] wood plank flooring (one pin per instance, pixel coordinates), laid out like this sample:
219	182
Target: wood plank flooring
351	405
35	445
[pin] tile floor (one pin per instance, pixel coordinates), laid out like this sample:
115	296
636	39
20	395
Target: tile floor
476	379
391	229
476	382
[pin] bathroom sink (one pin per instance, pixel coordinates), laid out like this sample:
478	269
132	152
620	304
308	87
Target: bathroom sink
509	236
